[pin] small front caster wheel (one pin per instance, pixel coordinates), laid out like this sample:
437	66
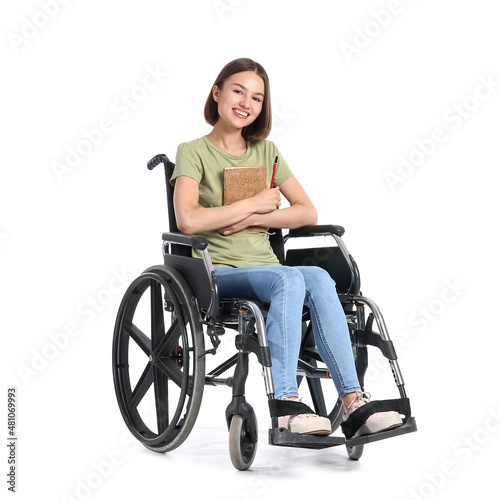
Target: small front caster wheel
355	452
242	441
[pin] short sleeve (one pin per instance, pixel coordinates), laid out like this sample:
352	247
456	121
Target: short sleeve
187	162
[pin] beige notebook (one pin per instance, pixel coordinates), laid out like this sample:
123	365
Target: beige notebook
244	182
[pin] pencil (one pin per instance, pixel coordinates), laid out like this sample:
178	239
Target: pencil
274	171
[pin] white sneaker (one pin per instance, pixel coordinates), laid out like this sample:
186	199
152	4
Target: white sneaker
305	423
381	421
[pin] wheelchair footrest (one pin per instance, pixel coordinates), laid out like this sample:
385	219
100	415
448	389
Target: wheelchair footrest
283	437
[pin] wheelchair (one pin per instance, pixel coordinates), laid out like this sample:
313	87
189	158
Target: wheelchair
169	312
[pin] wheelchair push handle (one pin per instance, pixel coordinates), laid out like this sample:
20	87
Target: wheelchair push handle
156	160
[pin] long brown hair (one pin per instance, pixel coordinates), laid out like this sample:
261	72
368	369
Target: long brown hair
261	127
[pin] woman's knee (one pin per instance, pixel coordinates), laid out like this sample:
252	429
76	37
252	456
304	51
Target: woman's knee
289	280
317	277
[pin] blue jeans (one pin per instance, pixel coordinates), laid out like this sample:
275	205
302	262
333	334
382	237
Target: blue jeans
287	290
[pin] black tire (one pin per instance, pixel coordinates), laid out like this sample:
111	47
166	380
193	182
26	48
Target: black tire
355	452
242	441
159	378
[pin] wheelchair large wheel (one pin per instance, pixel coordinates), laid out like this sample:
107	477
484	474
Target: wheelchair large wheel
158	374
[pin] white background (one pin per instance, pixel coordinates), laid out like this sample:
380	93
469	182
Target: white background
355	86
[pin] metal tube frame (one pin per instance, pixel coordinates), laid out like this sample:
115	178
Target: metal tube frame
384	335
261	337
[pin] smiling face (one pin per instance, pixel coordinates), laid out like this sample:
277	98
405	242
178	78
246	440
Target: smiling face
240	100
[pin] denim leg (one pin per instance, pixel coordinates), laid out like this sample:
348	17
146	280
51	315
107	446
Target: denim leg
284	289
331	333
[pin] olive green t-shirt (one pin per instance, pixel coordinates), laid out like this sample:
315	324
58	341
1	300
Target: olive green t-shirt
205	163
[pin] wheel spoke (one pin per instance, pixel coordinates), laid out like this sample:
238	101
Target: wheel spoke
142	340
142	387
170	369
161	399
169	341
157	321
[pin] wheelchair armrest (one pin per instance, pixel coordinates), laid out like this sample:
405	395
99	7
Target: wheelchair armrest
315	231
199	273
190	240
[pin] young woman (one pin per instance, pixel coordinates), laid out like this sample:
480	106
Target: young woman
239	109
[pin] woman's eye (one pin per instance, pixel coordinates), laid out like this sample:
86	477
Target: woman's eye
256	99
237	91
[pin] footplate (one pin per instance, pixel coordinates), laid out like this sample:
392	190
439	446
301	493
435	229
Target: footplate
283	437
409	426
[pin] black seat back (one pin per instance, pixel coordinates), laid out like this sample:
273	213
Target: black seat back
277	244
343	271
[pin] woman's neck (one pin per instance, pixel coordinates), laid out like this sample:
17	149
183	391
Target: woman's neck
230	141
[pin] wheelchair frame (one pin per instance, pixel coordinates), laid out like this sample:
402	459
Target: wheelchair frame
186	288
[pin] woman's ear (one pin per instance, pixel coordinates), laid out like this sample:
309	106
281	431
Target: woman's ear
215	93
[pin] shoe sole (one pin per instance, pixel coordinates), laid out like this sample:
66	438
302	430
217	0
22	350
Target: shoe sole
315	431
318	432
382	424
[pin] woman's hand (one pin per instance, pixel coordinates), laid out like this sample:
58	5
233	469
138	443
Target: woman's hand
236	228
267	200
264	202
